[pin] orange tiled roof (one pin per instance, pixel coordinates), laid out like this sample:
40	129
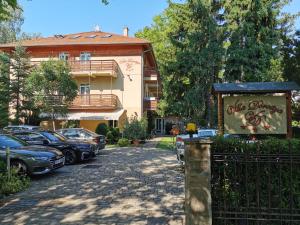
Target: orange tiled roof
84	38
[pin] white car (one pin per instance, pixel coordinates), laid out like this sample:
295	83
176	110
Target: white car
202	133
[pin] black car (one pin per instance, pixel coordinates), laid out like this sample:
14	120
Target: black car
30	159
73	150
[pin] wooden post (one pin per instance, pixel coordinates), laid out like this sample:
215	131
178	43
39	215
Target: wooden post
220	115
211	112
289	114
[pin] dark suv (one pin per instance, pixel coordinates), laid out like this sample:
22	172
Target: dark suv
73	150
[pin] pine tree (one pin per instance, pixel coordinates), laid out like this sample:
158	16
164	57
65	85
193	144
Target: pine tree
253	38
20	69
4	89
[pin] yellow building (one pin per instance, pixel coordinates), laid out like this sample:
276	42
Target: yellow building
117	75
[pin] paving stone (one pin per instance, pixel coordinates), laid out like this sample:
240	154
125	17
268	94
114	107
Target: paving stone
121	186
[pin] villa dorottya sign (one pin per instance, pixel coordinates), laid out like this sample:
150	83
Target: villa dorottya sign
255	115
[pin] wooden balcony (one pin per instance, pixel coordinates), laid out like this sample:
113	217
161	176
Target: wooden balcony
96	102
95	68
150	74
150	104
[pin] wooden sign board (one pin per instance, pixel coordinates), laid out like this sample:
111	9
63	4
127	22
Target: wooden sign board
257	114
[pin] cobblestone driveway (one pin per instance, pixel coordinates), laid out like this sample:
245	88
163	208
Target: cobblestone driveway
122	186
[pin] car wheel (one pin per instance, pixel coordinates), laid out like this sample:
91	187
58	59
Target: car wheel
70	157
20	167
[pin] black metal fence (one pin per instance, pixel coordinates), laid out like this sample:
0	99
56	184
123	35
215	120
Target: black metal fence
255	187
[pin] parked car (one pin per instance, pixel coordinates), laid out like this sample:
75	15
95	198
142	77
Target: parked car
30	159
73	150
202	133
12	128
84	135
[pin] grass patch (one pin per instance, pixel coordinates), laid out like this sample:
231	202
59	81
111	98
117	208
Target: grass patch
111	146
167	143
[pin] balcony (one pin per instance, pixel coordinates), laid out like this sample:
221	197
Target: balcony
96	102
150	104
95	68
150	74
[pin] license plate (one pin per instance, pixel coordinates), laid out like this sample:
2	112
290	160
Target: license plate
59	161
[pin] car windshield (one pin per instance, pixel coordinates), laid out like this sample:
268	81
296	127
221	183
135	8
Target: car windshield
52	136
11	142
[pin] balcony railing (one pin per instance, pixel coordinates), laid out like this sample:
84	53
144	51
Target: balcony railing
91	67
150	74
150	104
95	67
96	101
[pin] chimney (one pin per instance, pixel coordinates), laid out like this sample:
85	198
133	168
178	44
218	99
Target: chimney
125	31
97	28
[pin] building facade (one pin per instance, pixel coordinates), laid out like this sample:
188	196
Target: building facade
117	75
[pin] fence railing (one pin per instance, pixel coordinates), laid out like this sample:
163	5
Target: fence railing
94	65
99	101
255	188
77	66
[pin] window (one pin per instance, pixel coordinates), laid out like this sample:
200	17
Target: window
85	56
63	56
10	142
113	123
92	36
84	89
75	37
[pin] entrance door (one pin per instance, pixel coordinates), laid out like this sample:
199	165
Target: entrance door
160	126
85	94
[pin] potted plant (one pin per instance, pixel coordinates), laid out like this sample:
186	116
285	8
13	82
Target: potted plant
135	130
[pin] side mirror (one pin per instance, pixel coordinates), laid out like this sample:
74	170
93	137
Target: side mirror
45	142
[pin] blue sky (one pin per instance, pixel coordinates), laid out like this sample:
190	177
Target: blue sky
50	17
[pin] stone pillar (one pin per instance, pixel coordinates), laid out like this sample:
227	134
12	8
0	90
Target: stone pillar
197	182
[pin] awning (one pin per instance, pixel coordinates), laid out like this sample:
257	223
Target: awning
115	115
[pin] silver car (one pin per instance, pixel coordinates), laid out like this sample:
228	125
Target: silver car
202	133
83	135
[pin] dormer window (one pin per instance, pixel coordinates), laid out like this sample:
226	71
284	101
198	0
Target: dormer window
64	56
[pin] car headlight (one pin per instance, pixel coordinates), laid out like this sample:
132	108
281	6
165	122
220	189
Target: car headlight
40	158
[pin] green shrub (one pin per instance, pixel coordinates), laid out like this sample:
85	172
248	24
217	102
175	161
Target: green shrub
12	184
102	129
71	124
135	129
239	167
123	142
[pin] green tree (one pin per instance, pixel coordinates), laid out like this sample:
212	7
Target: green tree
4	88
253	38
189	50
20	69
5	8
52	88
291	58
10	29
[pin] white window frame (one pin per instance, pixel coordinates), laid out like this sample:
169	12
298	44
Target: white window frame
64	56
85	56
